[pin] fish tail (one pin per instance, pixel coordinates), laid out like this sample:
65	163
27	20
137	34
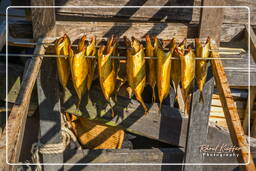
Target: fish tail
154	95
142	102
160	107
112	110
201	98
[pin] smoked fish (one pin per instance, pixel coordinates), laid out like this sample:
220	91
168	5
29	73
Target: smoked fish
92	62
136	70
201	65
79	69
187	70
62	48
151	65
107	69
163	69
176	66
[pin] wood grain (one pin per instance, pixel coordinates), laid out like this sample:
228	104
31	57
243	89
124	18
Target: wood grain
231	114
18	115
231	15
48	88
249	108
43	19
163	30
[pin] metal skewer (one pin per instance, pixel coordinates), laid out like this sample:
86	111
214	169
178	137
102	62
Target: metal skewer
113	57
122	47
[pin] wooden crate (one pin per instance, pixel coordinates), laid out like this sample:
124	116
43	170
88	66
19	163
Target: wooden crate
150	125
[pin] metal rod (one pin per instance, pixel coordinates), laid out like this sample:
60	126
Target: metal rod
119	47
113	57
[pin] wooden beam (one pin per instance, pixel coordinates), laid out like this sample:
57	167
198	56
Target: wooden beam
43	19
17	118
198	124
2	34
211	20
249	107
48	90
251	40
230	111
232	15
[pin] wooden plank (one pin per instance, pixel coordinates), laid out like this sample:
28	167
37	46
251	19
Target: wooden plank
43	19
230	111
2	34
198	123
249	107
18	115
211	20
139	29
164	30
49	109
162	155
232	15
251	40
130	115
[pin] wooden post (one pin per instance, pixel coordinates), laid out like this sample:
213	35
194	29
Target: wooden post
198	124
43	19
211	20
210	25
49	109
17	118
233	121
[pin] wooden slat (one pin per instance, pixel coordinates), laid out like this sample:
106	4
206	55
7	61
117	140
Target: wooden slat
249	107
164	30
231	114
211	20
43	19
198	123
49	109
130	116
139	29
232	15
2	34
251	40
18	115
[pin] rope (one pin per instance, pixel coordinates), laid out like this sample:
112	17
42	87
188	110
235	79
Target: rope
67	136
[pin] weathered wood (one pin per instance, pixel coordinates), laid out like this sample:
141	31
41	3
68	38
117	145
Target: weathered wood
230	111
198	123
163	155
252	98
2	34
43	19
49	109
251	40
249	107
231	15
18	115
139	29
130	116
211	20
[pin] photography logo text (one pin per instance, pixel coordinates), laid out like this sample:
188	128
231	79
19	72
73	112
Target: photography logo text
220	150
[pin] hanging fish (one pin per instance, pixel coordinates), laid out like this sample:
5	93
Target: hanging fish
201	65
163	69
79	69
187	70
92	62
62	48
151	63
107	70
176	66
136	70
